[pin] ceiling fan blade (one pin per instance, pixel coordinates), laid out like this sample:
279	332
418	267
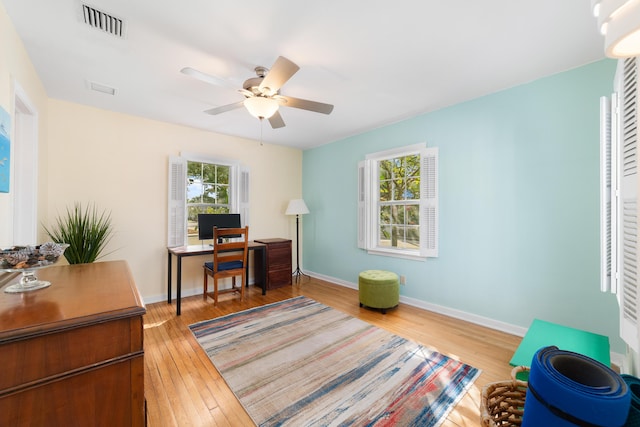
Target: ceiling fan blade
281	71
225	108
207	78
276	120
317	107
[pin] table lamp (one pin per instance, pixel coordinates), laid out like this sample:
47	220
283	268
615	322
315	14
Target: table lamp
297	207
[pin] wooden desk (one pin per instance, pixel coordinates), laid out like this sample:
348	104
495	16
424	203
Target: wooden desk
73	353
199	250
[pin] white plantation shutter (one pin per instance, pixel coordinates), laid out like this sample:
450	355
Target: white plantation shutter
429	203
628	217
363	196
176	218
243	205
608	194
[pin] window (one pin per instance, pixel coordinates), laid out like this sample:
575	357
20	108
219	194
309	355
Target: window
201	185
207	192
397	204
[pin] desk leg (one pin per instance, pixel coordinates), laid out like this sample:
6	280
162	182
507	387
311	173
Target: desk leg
264	270
246	272
169	278
179	288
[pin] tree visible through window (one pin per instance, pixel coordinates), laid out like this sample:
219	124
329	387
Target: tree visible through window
207	192
399	202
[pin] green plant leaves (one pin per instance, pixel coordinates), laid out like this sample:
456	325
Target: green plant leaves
85	230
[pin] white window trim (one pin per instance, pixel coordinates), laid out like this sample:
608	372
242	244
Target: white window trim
24	168
394	152
368	187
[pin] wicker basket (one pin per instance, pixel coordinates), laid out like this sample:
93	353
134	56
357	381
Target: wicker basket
503	402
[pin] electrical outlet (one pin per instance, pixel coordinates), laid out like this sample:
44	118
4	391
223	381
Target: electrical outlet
403	280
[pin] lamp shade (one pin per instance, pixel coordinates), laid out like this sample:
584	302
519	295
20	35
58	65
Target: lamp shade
261	107
296	207
619	22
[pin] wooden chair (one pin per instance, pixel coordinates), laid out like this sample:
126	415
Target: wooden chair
229	260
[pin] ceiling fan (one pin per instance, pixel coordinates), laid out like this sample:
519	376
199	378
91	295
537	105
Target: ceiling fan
262	93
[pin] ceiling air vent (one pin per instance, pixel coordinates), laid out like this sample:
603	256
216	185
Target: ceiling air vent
102	21
101	88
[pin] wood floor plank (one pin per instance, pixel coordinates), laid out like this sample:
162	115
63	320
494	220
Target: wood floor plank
183	388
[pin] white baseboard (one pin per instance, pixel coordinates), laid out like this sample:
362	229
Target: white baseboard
619	363
160	298
185	293
617	359
457	314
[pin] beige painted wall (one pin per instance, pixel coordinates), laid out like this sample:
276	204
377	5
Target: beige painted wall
120	163
17	69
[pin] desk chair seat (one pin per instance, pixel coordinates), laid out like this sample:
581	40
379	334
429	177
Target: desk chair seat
229	260
224	265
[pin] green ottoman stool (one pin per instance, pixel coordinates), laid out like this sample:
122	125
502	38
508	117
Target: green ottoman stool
379	289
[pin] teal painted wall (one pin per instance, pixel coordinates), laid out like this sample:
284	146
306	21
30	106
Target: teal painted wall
519	204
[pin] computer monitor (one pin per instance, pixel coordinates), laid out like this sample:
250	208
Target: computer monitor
206	222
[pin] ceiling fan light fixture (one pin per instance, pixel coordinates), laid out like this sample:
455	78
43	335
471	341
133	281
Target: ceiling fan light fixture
619	22
595	7
261	107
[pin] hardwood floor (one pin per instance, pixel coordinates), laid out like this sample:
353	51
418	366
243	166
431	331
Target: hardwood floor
182	388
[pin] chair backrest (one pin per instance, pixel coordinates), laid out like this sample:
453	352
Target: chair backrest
229	251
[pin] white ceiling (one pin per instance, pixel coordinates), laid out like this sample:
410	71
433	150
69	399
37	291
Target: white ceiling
377	61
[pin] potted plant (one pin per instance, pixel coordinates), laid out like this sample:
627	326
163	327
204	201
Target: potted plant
85	230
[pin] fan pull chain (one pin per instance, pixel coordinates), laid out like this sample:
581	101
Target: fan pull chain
261	127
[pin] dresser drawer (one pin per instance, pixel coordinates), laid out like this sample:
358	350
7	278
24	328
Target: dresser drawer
109	395
50	355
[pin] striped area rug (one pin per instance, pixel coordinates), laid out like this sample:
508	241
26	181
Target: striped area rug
300	363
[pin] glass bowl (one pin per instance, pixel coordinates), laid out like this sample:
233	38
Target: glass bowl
28	259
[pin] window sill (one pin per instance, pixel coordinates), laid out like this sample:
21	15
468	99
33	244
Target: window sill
411	255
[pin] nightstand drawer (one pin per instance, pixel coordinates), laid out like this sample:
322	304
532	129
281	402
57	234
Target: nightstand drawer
279	278
278	260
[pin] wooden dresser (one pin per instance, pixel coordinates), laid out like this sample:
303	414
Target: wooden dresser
72	353
278	260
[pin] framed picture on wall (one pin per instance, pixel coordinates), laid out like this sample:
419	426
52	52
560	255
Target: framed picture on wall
5	150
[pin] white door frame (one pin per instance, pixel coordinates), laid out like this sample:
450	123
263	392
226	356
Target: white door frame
25	175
